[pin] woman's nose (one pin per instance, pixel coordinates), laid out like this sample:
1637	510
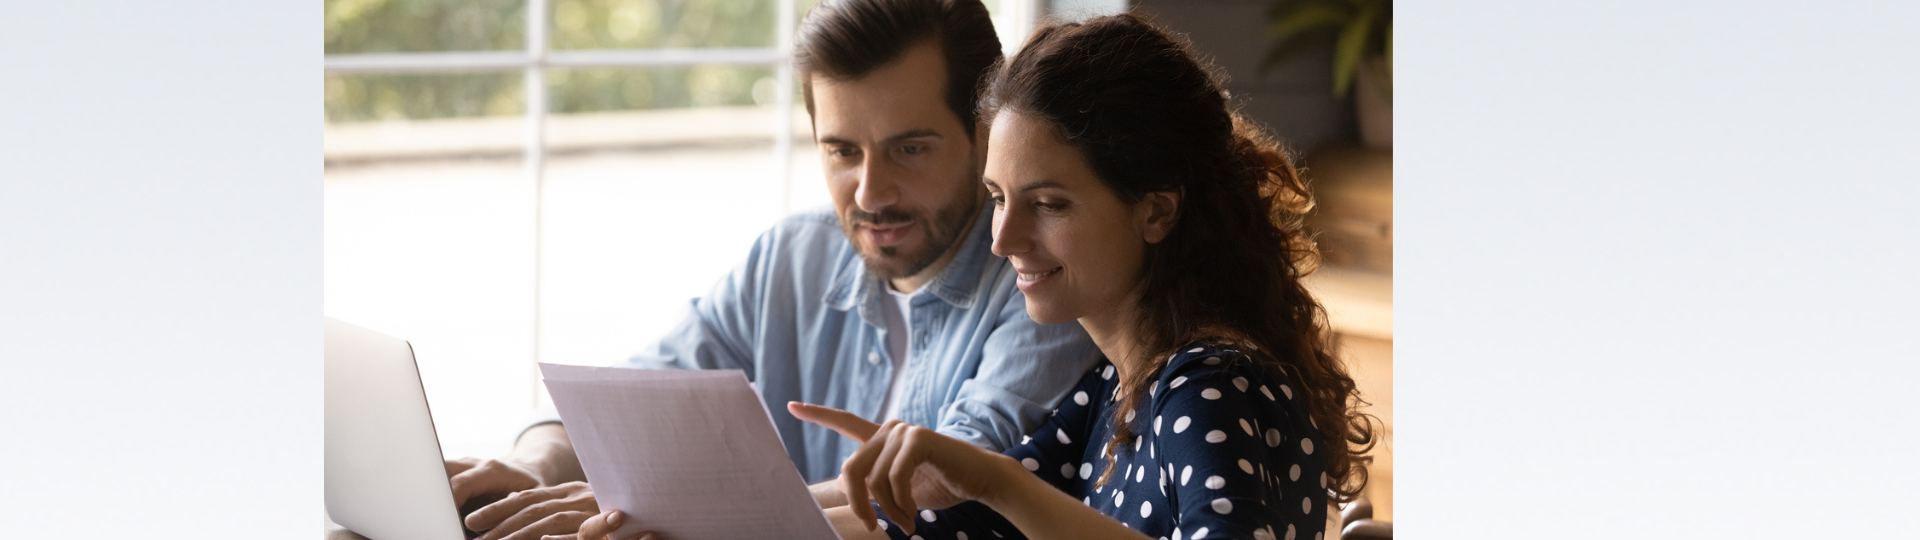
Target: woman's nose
1010	233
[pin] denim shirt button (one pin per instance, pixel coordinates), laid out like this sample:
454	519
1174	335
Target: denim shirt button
873	358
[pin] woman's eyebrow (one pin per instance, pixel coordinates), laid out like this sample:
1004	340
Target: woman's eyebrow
1043	184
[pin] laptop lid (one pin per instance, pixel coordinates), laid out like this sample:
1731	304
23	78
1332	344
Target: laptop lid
386	478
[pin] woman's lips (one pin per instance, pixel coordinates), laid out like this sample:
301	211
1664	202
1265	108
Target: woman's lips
1026	280
886	235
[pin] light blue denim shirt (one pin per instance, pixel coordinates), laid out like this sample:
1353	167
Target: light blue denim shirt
802	316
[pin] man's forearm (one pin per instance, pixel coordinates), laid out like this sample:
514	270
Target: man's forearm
546	450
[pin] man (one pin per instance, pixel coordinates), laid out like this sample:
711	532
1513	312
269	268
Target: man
890	306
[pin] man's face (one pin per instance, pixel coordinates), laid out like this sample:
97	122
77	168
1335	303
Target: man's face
904	176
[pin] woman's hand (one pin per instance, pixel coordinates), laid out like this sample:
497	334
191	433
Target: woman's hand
599	527
906	467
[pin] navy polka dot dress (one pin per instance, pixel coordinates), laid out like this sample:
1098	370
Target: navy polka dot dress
1225	449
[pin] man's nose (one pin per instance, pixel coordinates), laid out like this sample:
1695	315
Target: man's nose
878	188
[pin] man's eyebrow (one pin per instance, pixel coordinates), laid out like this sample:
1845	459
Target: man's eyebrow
911	134
904	135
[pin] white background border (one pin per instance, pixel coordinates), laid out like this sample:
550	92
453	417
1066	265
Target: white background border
1655	269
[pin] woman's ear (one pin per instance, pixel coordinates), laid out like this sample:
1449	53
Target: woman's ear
1157	213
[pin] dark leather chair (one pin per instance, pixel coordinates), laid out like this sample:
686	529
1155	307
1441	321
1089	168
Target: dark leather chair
1359	523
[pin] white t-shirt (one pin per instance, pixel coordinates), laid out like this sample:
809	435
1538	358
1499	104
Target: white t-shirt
898	312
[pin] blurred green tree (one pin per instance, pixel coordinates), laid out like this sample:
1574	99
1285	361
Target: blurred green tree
401	26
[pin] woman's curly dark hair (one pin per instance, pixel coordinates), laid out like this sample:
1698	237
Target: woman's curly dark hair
1149	116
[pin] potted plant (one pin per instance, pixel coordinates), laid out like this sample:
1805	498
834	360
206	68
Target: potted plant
1362	33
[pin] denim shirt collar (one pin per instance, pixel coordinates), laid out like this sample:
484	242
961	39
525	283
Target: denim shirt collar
957	284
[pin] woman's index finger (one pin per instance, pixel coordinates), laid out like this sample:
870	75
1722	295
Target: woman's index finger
850	425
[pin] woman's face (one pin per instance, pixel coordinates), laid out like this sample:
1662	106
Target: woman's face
1076	246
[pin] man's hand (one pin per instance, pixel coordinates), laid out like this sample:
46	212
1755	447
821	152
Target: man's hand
474	478
533	513
539	479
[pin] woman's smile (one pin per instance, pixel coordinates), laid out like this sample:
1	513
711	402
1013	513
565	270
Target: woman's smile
1030	279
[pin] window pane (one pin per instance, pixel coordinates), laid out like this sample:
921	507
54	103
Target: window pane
429	237
589	90
363	98
662	24
389	26
657	182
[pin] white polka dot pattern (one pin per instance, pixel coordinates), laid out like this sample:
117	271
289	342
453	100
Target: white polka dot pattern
1208	393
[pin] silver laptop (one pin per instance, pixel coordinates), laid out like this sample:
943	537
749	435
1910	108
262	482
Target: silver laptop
386	479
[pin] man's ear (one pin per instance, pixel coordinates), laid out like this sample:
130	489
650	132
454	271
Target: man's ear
1156	213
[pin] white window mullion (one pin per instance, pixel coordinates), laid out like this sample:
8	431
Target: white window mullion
535	156
783	101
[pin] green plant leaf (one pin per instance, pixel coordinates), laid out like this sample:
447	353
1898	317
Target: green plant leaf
1350	48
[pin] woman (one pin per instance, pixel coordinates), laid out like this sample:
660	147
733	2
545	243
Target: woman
1129	198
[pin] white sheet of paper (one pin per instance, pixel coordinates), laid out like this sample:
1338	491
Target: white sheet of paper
689	454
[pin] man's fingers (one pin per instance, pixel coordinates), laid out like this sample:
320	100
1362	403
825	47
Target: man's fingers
488	477
457	466
850	425
557	523
511	514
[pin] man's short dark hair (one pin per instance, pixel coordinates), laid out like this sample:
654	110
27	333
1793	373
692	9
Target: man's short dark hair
847	39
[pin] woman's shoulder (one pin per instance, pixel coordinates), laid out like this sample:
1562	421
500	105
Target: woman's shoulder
1201	359
1210	369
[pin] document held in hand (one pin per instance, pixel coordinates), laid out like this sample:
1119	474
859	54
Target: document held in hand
687	454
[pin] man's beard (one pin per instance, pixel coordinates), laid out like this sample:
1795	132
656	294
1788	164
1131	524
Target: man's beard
948	225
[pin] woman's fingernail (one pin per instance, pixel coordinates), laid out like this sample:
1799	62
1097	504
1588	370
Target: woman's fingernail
615	517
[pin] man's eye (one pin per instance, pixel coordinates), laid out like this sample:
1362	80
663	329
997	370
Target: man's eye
913	150
840	151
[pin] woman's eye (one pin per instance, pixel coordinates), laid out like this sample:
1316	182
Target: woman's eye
1050	206
998	200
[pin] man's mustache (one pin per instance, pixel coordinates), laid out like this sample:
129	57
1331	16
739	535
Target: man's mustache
882	218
